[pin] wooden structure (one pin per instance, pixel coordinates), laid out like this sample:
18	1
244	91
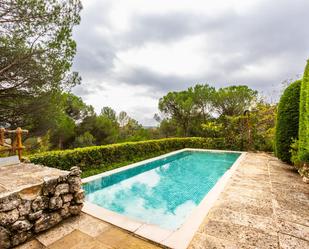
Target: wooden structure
16	144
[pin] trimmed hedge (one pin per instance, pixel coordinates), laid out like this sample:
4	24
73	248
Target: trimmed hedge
104	156
287	121
303	144
304	117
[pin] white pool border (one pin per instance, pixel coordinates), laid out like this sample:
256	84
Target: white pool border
180	238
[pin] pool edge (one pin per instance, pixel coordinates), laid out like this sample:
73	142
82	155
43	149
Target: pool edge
179	238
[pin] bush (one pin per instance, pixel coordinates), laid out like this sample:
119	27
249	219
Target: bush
287	121
304	117
111	156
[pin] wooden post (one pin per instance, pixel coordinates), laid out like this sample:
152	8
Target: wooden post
16	143
19	145
2	136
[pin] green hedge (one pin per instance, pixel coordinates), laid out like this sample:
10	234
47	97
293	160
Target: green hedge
304	117
111	156
303	144
287	121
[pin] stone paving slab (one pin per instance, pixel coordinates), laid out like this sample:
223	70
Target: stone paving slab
22	175
86	232
264	205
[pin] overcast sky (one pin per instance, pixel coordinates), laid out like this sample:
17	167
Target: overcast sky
130	53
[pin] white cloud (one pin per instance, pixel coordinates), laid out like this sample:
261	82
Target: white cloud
130	53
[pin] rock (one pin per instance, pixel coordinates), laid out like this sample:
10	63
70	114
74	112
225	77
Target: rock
62	189
47	221
79	196
49	186
75	171
21	237
9	202
24	208
65	211
9	217
55	203
40	203
75	183
36	215
30	193
63	178
75	209
67	198
22	225
5	241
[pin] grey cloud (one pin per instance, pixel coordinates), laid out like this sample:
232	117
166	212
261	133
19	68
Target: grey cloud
172	26
233	41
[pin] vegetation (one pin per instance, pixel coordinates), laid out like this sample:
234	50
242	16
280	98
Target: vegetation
303	144
287	121
207	112
36	50
304	117
101	158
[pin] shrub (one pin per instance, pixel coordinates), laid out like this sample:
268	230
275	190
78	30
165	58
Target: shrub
304	116
287	121
104	157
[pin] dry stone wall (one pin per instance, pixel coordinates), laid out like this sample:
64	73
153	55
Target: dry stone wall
37	208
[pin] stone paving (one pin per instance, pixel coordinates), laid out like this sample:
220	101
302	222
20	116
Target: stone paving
264	205
86	232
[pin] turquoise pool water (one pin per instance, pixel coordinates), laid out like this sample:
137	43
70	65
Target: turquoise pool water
163	192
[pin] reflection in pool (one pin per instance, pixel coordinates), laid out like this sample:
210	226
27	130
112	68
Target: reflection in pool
163	192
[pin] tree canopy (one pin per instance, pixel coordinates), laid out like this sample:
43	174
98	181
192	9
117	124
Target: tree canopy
36	51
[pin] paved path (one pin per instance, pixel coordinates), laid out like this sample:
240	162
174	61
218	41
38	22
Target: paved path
264	205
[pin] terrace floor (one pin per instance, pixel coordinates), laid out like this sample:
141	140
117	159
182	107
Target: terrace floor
264	205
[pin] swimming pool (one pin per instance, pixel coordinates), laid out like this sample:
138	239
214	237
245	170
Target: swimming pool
162	192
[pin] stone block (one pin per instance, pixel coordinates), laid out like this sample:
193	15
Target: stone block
67	198
21	225
5	241
40	203
55	203
9	217
62	189
47	221
75	209
24	208
36	215
9	202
